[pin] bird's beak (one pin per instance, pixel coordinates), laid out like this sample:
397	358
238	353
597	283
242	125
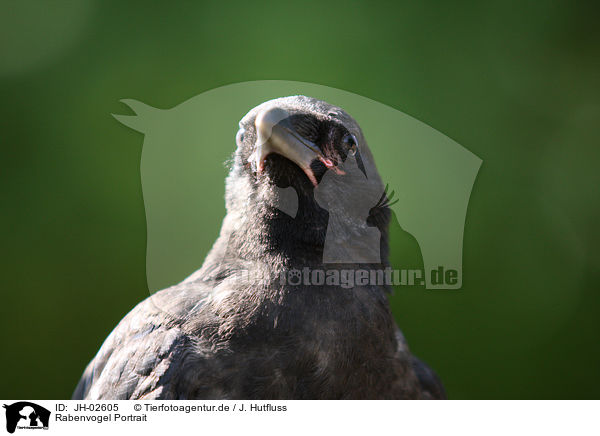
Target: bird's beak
275	134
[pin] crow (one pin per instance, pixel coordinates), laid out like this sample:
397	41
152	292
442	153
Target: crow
257	320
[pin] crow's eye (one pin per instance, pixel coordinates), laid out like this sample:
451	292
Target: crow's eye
350	143
239	138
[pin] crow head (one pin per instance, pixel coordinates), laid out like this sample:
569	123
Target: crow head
282	138
298	142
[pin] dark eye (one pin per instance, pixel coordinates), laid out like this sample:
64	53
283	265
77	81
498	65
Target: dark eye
239	138
350	143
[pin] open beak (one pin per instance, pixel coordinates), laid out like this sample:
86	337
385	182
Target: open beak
275	134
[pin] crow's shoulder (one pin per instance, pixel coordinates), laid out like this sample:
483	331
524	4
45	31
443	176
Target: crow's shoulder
144	356
431	386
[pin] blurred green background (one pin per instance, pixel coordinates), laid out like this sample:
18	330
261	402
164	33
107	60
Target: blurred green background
515	83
